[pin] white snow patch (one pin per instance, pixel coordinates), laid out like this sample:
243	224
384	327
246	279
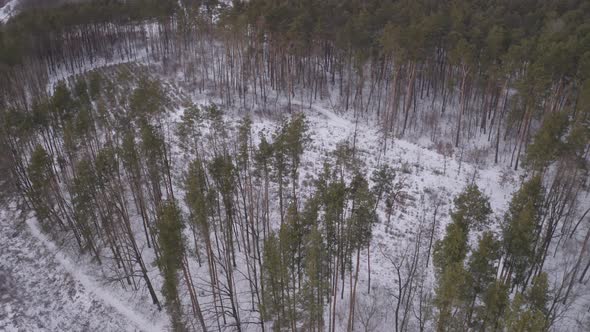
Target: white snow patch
8	10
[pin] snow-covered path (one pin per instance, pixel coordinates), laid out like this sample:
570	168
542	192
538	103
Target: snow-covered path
42	290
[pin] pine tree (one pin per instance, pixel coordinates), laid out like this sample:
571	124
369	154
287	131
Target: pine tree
170	227
243	152
290	237
84	192
360	227
482	270
276	280
527	313
62	103
148	99
222	171
189	129
40	171
131	161
451	249
452	297
548	143
315	287
263	164
152	147
495	303
457	289
383	182
289	143
95	82
472	208
197	198
521	229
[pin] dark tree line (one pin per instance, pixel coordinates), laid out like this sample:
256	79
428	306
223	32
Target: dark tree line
462	69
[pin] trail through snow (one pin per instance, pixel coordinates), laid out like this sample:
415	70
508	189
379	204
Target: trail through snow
334	119
142	322
38	293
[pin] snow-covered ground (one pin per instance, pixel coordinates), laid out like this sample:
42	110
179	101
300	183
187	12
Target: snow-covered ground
47	281
43	289
8	10
38	279
427	175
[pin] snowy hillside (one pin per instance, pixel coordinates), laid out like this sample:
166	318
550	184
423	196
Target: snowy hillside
180	165
429	179
80	289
